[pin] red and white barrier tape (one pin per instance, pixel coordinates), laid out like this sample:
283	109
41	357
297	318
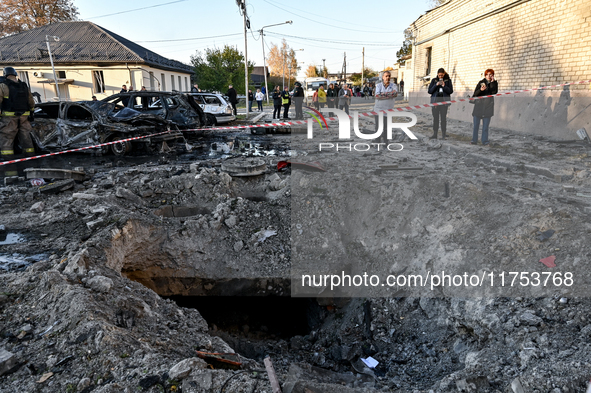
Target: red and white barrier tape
83	148
296	122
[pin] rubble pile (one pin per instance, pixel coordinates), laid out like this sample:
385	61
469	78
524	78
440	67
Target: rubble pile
91	314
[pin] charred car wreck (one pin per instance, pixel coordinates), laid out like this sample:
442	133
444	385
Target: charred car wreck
70	125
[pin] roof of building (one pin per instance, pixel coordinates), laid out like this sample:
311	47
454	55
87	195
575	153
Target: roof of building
80	42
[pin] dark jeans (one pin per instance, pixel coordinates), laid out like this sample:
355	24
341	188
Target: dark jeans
260	105
286	110
331	103
485	124
439	112
384	136
346	106
234	108
276	111
299	114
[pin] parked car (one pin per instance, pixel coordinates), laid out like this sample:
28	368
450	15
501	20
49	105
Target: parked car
68	125
216	107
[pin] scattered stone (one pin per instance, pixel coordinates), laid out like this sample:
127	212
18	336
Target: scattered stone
184	368
7	361
38	207
100	284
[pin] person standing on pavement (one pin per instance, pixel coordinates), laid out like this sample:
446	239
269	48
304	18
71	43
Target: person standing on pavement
259	96
195	88
385	96
344	98
321	97
331	96
17	107
250	100
233	98
440	89
276	102
286	102
298	98
484	108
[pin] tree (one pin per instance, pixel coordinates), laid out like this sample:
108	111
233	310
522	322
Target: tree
280	59
325	72
406	48
219	68
20	15
367	73
313	71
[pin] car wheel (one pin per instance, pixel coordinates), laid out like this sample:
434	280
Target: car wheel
211	120
120	148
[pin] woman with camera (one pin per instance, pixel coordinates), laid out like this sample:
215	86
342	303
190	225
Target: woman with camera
440	89
484	108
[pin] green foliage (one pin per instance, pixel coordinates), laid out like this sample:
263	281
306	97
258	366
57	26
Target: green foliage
216	69
406	48
367	73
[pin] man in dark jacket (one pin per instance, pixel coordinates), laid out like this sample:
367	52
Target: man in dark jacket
233	98
332	96
17	107
298	98
440	89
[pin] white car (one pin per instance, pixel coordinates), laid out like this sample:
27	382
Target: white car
216	108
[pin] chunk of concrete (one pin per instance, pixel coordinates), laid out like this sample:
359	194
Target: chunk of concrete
183	369
38	207
100	284
516	386
7	361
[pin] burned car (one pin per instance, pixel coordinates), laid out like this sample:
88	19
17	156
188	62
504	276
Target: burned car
69	125
177	108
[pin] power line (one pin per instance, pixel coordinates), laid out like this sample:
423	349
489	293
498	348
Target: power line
197	38
332	41
137	9
326	24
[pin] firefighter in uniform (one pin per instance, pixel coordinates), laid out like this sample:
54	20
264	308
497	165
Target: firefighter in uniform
17	106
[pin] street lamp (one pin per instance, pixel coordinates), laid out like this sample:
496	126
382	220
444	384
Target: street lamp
56	39
264	60
284	53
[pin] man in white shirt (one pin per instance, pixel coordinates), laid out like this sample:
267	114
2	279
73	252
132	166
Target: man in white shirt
386	93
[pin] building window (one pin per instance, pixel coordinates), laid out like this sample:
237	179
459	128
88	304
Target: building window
163	82
98	81
24	76
61	74
151	81
186	84
172	87
180	84
428	61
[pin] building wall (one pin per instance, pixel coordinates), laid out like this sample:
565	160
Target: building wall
83	86
532	43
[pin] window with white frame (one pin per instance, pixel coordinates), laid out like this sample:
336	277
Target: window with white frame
98	81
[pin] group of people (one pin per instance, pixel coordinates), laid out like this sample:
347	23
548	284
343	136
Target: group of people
258	96
441	89
334	97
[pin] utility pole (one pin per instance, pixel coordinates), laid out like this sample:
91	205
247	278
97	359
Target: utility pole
362	65
323	68
242	6
56	39
345	67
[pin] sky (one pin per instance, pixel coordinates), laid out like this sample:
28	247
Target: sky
177	29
